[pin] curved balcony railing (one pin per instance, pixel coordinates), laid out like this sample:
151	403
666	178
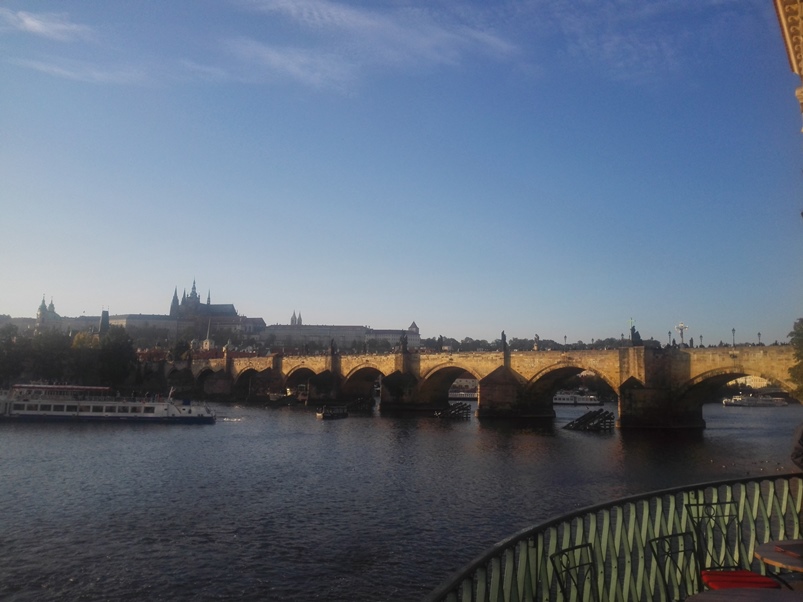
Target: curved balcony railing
518	569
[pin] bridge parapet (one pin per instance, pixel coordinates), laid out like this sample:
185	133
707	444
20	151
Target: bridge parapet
607	364
199	366
316	363
241	364
479	364
385	364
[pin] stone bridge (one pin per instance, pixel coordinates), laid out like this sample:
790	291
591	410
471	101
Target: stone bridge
655	387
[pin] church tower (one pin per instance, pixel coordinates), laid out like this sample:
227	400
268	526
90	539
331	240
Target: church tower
174	304
103	327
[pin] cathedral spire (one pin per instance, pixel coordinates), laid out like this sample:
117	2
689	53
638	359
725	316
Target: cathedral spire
174	304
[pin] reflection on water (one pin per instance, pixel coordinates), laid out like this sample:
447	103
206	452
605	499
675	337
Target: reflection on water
274	504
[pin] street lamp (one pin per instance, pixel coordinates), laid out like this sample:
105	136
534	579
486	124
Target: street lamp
733	332
701	340
759	339
564	340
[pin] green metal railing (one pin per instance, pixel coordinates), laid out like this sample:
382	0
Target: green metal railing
518	569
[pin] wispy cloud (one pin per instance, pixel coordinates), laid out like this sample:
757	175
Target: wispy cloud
55	26
351	40
308	67
85	72
635	40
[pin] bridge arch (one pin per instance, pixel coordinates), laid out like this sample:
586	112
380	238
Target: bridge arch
180	378
366	366
359	382
713	378
248	385
547	381
451	366
297	376
704	388
435	384
203	375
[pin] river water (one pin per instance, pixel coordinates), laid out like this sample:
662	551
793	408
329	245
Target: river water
274	504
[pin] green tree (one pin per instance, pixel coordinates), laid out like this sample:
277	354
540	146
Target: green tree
11	356
117	356
50	356
796	371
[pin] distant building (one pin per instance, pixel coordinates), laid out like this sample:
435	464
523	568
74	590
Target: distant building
189	317
298	335
47	319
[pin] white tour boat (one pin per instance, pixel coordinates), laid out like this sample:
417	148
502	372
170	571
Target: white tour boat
573	398
96	404
755	401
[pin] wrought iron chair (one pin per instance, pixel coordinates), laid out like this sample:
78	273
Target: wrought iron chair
576	573
676	559
719	537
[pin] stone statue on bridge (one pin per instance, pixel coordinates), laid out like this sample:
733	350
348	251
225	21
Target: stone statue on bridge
403	343
504	342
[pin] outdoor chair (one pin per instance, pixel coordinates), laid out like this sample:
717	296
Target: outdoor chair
718	531
576	573
675	556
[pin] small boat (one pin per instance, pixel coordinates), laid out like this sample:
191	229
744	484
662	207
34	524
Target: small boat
71	403
574	398
332	412
755	401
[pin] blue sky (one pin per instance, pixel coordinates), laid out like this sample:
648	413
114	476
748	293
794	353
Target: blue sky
533	166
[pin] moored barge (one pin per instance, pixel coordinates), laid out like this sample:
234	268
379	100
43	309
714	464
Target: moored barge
72	403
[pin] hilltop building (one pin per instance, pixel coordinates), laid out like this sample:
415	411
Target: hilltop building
299	335
191	318
47	319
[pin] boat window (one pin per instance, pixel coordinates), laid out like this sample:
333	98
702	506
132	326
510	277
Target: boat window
97	409
135	409
32	406
72	408
58	408
45	407
111	409
83	408
122	410
150	410
19	406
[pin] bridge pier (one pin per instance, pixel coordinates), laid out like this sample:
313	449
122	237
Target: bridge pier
504	394
657	408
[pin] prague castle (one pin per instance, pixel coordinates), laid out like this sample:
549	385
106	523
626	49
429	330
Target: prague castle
191	318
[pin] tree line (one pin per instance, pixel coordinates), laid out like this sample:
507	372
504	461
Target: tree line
53	356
